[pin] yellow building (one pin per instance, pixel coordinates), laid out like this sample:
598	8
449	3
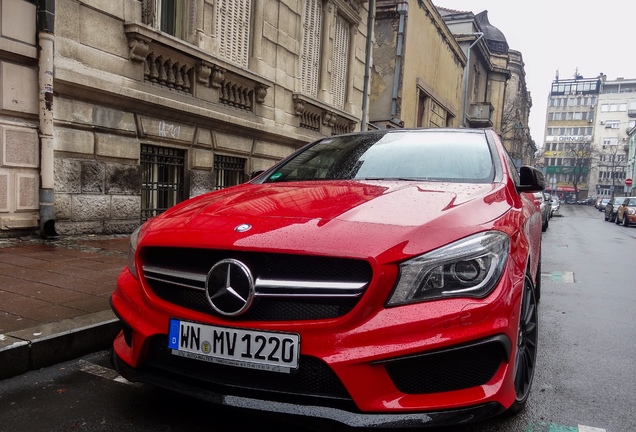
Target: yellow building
417	73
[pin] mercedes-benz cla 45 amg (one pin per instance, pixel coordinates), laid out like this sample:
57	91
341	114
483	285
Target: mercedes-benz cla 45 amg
376	279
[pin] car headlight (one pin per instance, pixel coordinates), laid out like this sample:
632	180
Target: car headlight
470	267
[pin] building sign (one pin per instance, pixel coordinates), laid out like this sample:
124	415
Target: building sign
554	169
569	138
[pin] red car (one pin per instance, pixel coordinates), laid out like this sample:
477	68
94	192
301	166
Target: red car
377	279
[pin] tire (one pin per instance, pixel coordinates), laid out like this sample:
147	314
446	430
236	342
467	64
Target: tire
526	353
544	227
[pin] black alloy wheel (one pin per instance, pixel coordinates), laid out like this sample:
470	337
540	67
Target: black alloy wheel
526	356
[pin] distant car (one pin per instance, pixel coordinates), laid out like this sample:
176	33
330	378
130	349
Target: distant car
570	200
602	204
555	204
543	204
612	207
375	278
597	202
626	213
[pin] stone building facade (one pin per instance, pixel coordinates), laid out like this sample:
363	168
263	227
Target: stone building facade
515	129
486	72
156	101
19	153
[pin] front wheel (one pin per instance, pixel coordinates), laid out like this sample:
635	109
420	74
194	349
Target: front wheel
527	339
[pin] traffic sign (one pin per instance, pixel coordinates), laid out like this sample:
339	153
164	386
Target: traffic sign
628	182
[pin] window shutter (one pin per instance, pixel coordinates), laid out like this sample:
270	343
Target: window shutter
340	61
233	30
310	61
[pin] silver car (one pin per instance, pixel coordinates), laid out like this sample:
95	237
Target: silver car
541	199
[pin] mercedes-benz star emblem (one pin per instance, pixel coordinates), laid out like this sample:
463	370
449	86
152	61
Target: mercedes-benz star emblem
230	287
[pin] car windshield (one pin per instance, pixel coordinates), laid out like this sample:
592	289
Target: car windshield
424	155
619	200
631	202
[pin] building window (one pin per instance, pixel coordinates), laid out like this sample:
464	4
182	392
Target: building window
233	30
430	113
310	55
229	171
169	16
162	179
610	141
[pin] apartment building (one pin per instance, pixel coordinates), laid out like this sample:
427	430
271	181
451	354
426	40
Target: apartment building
616	116
568	141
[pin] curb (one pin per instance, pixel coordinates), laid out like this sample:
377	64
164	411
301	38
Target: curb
49	344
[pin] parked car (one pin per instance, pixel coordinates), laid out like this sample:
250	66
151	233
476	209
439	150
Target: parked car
543	204
597	202
626	213
602	204
570	200
612	207
387	277
555	205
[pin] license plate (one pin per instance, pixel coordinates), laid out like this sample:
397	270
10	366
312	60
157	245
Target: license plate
254	349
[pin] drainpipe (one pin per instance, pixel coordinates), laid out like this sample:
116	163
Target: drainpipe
46	38
367	64
466	71
402	9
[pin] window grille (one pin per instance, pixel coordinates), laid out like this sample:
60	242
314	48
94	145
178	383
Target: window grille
162	171
229	171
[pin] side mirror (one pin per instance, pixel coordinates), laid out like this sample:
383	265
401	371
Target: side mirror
256	174
531	179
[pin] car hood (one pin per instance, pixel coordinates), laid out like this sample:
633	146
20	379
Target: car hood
357	219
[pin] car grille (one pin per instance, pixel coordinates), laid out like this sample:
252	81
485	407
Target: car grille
288	287
313	378
448	370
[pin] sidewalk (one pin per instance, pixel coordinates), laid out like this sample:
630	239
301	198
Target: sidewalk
54	298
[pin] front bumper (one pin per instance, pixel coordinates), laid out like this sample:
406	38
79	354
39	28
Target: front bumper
367	357
317	412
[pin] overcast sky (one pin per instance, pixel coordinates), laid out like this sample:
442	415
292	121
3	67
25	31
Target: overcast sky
562	35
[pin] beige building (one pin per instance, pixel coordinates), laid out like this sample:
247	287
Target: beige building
416	78
19	153
515	120
487	71
154	101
